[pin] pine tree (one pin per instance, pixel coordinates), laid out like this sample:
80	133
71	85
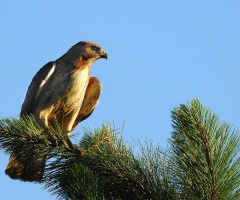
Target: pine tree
202	160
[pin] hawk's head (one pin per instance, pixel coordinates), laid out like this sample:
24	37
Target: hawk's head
85	52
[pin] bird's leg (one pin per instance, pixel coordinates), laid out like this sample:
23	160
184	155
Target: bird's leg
67	128
90	101
46	125
73	147
54	142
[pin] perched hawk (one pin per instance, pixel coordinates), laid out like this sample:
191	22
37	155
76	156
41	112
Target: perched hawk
64	90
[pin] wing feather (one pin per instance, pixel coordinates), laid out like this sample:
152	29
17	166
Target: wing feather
90	101
46	79
35	87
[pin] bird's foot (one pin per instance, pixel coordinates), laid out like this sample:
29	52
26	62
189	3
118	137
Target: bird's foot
73	147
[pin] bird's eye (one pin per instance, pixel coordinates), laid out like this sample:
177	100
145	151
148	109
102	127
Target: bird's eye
94	48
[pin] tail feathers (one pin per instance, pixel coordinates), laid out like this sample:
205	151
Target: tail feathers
26	169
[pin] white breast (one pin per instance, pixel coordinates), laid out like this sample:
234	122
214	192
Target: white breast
78	84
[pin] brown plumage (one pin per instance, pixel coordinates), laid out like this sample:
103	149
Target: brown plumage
61	89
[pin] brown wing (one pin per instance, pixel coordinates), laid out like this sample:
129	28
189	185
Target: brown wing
90	101
29	169
34	87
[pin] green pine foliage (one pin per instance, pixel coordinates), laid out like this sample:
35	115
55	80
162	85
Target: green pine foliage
112	169
202	161
205	152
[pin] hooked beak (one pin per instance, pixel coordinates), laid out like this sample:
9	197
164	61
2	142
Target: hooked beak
104	55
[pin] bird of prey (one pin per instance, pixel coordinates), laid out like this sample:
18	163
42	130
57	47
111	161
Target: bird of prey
62	90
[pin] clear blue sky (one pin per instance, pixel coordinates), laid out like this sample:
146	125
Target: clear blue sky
161	54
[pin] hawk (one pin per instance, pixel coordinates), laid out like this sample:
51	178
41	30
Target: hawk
62	90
